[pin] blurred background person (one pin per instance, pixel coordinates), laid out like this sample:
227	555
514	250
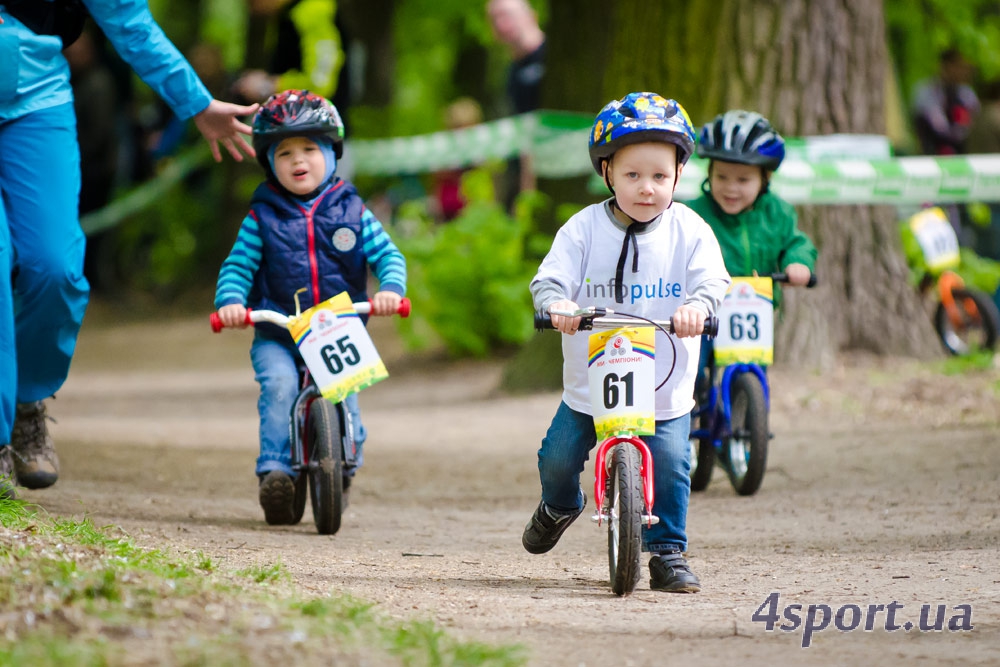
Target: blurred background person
515	24
448	200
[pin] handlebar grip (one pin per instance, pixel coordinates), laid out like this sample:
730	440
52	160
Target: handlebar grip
711	328
783	278
216	321
404	308
543	321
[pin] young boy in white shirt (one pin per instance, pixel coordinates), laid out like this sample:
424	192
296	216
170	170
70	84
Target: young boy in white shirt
640	253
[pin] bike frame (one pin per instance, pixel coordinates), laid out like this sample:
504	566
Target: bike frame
601	473
299	418
719	406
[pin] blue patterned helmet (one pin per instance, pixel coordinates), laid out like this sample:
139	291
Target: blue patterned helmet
638	118
743	137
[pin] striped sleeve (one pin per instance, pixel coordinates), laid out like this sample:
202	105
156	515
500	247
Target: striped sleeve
382	255
239	268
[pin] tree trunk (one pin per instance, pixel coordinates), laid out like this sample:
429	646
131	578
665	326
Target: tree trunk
812	67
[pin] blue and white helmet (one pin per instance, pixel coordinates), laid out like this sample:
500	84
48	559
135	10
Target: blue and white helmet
744	137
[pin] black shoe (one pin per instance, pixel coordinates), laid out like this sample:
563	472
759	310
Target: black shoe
544	530
670	572
277	498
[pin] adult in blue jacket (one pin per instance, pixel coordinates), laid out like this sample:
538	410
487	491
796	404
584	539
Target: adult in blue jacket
43	293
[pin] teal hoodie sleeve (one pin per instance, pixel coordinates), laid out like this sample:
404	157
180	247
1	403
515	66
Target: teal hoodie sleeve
140	41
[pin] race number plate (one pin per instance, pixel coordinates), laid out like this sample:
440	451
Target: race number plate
337	349
937	239
621	368
746	323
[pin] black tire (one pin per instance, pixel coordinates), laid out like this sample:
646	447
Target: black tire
702	457
978	329
299	501
745	451
625	505
325	467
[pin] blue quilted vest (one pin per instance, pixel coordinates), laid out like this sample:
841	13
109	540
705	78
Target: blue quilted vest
319	248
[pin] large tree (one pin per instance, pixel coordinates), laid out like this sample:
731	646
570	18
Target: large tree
812	67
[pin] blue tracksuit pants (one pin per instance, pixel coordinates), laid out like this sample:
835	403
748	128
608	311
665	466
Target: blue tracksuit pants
43	293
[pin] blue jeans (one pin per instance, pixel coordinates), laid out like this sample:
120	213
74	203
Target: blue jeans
276	364
566	448
43	293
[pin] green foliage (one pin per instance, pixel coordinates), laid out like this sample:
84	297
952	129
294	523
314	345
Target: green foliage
263	574
468	278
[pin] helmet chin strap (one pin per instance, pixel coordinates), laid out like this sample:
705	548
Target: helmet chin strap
630	231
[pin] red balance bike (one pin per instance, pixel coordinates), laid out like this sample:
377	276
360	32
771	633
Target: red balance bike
622	394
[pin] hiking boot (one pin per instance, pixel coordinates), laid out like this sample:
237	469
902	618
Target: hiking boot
8	478
35	460
277	497
670	572
546	527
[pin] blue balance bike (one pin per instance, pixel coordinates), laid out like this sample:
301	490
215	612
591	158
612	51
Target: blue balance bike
730	419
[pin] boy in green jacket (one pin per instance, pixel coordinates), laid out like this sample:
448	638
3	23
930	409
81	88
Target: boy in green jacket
757	230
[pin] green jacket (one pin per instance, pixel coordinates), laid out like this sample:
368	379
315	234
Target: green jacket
764	238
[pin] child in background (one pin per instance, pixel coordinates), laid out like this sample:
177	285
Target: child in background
307	228
757	230
639	145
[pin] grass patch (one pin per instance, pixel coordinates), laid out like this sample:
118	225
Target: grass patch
74	594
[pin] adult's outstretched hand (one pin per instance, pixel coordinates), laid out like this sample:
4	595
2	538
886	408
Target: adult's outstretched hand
220	122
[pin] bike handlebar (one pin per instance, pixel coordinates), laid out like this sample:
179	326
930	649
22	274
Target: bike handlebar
602	318
783	278
274	317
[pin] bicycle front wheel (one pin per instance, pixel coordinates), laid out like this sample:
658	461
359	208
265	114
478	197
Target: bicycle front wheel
746	449
625	504
326	482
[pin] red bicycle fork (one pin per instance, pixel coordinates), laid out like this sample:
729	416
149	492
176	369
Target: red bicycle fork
645	470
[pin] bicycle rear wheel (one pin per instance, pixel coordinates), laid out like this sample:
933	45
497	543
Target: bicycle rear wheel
325	467
625	504
972	325
746	449
702	455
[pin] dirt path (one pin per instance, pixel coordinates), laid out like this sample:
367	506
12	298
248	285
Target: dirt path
882	486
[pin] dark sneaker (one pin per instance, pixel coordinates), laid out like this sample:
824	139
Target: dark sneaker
277	497
670	572
8	478
546	527
35	460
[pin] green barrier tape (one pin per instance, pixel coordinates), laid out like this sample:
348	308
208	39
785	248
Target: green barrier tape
146	194
834	169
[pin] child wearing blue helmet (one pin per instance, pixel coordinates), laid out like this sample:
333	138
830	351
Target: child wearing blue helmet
307	228
757	230
608	255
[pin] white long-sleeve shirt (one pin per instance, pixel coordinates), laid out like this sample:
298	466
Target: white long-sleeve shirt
679	263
